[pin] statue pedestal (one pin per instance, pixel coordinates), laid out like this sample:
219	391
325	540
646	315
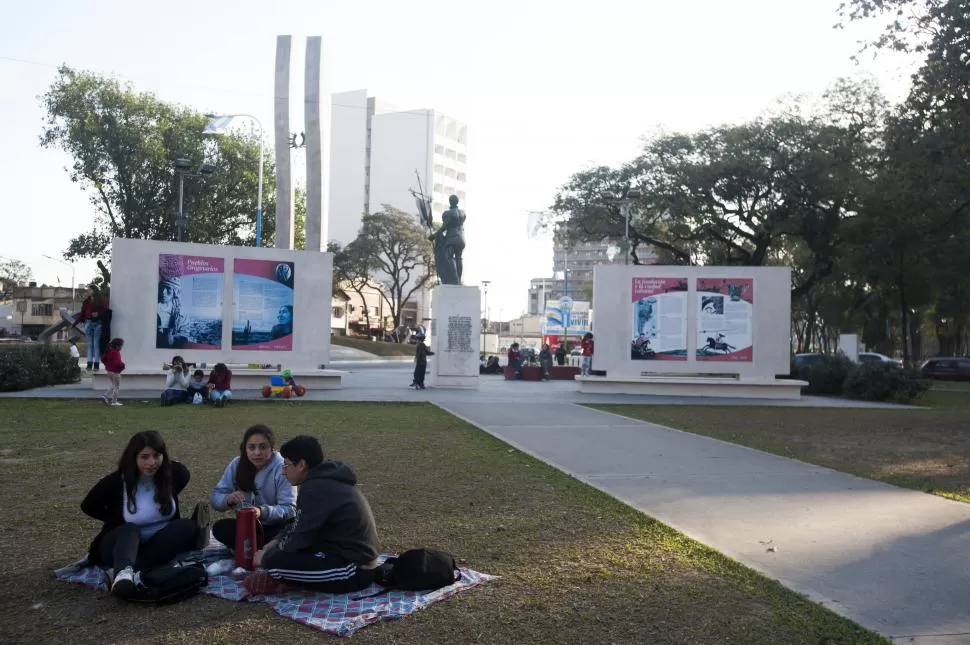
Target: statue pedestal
456	336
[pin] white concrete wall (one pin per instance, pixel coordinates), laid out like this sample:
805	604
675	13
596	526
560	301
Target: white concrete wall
613	324
134	279
454	365
348	159
401	142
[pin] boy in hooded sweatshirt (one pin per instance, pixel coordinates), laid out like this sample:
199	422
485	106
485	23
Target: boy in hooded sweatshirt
332	545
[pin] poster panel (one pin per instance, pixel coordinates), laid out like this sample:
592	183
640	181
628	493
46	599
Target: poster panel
659	312
263	311
188	313
725	319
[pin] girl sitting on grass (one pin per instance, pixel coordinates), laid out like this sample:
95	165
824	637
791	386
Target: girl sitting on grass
254	478
139	506
220	385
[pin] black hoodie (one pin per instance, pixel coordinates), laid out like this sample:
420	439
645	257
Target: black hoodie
332	516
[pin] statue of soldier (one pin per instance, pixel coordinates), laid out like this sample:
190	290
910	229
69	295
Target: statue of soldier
449	243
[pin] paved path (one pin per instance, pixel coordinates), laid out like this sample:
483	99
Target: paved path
892	559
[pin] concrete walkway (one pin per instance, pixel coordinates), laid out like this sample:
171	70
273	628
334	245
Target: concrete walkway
894	560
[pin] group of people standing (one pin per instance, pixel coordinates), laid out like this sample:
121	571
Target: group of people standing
325	537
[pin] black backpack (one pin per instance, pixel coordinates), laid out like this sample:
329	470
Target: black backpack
417	570
168	585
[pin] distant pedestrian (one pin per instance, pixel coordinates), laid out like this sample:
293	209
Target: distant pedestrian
561	354
421	354
113	366
545	362
586	366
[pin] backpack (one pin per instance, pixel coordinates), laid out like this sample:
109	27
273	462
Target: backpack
418	570
168	585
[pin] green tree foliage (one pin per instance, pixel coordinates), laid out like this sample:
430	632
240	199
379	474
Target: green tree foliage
123	145
14	273
400	255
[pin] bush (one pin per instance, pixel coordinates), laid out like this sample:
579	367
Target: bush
26	366
825	376
884	382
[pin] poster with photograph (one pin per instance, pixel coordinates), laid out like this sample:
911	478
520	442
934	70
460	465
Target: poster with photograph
188	314
659	319
725	319
263	313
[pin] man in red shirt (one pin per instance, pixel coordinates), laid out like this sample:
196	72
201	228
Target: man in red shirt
587	346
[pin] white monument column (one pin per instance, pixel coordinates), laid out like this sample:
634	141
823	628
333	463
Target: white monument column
456	328
284	180
316	113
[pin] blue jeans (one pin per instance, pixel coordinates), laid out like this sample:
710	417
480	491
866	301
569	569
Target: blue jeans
215	395
93	332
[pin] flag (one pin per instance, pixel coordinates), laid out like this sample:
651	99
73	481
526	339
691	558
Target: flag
218	125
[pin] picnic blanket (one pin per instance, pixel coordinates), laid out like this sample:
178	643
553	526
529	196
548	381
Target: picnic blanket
340	614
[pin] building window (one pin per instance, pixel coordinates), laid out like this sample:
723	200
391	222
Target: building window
461	195
337	312
462	158
461	177
449	172
438	168
44	309
439	149
451	154
438	188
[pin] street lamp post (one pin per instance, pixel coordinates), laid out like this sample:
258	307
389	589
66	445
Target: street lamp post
218	123
73	297
485	284
182	165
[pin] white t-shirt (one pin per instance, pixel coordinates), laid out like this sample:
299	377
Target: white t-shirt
74	352
147	515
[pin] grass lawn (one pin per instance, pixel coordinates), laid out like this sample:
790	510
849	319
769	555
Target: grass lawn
377	347
926	449
577	566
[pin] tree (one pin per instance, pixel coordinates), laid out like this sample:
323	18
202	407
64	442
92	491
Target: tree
353	267
124	145
14	273
401	254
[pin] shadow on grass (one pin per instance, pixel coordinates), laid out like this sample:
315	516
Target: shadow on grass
577	566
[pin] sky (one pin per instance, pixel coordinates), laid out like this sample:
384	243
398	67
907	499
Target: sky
547	89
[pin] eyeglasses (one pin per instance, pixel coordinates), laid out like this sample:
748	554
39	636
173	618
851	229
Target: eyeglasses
286	465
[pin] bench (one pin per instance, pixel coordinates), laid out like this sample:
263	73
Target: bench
242	379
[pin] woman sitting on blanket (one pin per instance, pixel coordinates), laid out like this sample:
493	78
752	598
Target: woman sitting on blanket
255	478
139	506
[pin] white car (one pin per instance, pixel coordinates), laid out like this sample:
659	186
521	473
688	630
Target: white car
874	357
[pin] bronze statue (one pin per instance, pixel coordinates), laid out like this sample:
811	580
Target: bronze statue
449	242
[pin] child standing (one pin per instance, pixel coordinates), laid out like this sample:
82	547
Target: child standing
114	366
587	347
421	354
220	385
197	386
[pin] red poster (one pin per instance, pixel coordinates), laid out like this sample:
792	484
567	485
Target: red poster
659	319
725	319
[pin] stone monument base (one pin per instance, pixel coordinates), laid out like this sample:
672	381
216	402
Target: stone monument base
456	329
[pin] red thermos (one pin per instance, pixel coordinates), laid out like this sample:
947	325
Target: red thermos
246	537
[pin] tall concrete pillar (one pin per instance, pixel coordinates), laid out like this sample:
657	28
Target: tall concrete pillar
284	179
316	112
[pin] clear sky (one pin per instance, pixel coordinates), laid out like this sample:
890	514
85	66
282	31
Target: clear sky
546	87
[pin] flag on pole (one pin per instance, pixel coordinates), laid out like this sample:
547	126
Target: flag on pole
218	125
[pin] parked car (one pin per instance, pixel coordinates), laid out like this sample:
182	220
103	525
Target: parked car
808	358
875	357
947	368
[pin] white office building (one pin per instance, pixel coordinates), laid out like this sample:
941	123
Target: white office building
376	155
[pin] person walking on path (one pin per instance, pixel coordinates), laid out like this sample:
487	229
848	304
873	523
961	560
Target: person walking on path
586	345
421	354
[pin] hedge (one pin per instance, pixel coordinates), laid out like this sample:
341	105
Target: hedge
836	375
26	366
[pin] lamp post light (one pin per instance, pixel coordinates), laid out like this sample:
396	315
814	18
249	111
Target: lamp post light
182	166
73	296
219	123
485	284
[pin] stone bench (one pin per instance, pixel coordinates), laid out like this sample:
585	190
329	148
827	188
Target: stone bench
242	379
740	388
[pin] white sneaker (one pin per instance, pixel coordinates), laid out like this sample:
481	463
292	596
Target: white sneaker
124	583
104	399
116	404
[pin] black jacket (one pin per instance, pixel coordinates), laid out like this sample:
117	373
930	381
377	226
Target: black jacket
106	500
332	516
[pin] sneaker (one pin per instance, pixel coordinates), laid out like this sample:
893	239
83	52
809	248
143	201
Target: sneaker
104	399
123	585
202	517
116	404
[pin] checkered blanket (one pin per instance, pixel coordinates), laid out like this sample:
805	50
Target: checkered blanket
341	614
